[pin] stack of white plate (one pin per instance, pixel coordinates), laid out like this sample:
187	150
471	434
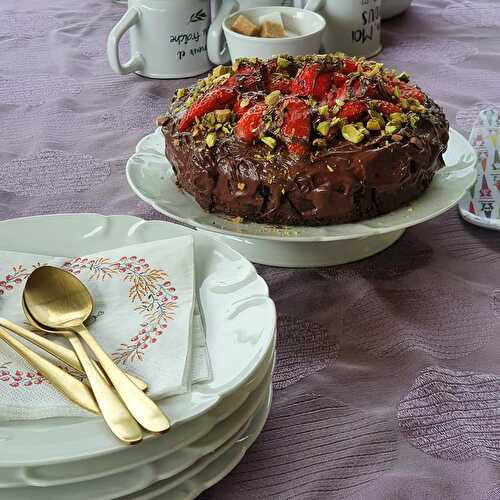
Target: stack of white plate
213	425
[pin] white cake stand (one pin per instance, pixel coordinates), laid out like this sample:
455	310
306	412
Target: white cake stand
151	177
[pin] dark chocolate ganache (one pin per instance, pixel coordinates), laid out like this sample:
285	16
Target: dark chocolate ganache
312	140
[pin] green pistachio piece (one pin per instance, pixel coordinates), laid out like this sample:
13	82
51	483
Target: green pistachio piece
323	110
227	128
181	93
375	70
223	115
414	119
339	102
209	119
323	128
272	98
221	70
373	124
404	77
269	141
210	139
396	91
189	102
392	127
236	63
352	134
244	102
282	62
398	117
339	55
335	121
252	60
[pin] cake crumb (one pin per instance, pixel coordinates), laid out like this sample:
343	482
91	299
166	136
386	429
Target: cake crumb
237	220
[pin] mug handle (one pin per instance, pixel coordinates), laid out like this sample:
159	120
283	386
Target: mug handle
217	49
136	62
314	5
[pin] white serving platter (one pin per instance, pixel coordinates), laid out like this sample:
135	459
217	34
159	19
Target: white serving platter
151	177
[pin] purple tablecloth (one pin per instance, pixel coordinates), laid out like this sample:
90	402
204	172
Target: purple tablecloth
388	376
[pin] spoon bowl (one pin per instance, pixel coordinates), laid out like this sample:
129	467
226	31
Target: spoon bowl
57	299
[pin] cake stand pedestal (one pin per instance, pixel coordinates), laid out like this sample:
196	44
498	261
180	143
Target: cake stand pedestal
309	254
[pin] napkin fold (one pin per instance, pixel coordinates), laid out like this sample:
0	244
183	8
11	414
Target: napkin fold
145	317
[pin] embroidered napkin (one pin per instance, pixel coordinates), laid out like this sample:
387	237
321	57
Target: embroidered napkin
145	317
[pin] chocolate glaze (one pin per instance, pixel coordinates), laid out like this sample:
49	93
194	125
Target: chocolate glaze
343	183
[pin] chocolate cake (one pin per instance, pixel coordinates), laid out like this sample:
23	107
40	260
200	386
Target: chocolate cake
311	140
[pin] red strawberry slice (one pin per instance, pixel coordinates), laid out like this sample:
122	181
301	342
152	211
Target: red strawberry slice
339	79
388	107
406	91
349	66
353	111
357	90
303	83
278	82
241	110
249	77
216	98
296	127
322	85
250	124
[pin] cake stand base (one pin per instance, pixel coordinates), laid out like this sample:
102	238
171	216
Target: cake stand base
309	254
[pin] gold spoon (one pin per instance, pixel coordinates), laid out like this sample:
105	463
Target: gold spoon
65	383
59	301
114	412
65	355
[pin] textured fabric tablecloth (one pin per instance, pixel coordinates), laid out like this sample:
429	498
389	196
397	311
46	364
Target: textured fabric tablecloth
388	375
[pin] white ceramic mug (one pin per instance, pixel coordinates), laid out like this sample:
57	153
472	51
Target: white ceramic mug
167	38
353	26
224	44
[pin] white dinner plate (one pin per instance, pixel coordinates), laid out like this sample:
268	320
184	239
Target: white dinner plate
211	468
151	177
169	467
173	451
239	316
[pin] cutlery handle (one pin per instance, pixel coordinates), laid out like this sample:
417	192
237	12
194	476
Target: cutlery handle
143	408
68	385
116	415
58	351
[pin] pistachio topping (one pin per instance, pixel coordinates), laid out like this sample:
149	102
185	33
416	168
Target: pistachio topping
210	139
323	110
270	142
392	127
272	98
282	62
180	93
404	77
373	124
323	128
352	134
221	70
223	115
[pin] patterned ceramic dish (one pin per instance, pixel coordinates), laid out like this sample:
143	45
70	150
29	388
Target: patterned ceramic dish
171	467
151	177
240	318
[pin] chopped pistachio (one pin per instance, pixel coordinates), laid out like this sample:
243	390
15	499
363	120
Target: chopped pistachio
373	105
282	62
421	109
336	109
221	70
352	134
177	142
373	124
414	119
404	76
180	93
335	121
396	91
269	141
223	115
374	70
323	128
218	126
401	117
244	102
396	137
196	131
227	128
241	186
252	60
189	102
209	119
210	139
320	143
220	79
323	110
339	102
339	55
392	127
272	98
236	63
